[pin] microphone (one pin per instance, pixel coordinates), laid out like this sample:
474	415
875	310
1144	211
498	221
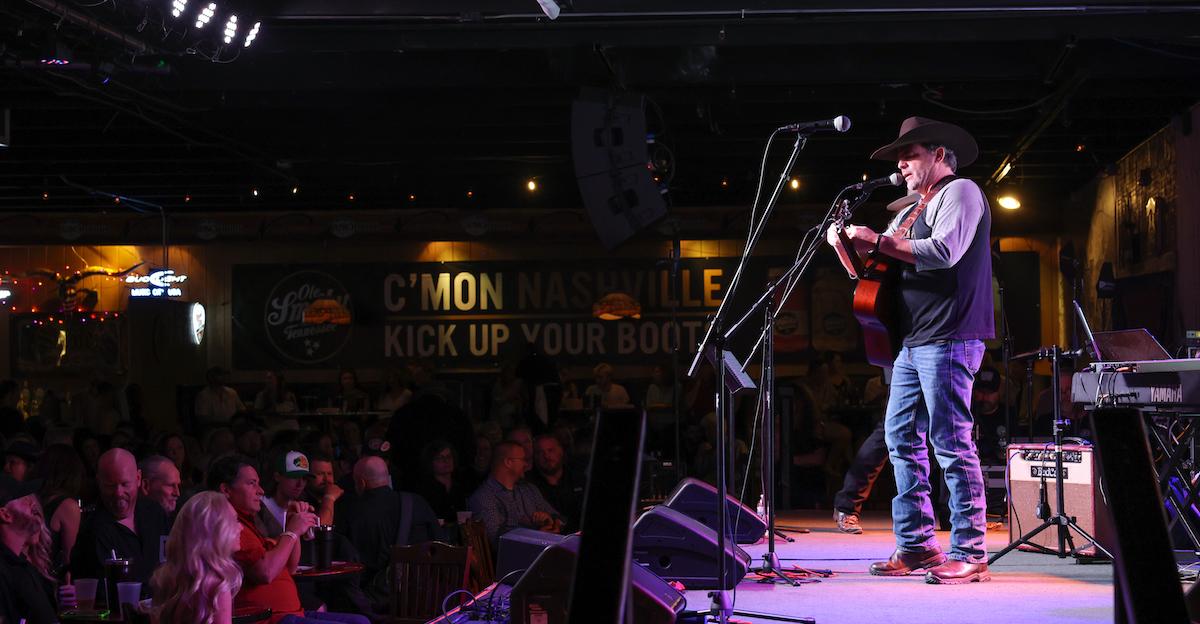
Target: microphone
841	123
896	179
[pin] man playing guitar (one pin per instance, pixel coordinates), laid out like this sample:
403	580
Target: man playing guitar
943	313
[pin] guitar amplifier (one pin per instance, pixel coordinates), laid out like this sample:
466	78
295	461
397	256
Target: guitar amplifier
1028	466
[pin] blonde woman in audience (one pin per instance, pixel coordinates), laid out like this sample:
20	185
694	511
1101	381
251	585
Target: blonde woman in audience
199	578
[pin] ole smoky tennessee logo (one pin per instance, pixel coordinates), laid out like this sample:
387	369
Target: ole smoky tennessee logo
308	317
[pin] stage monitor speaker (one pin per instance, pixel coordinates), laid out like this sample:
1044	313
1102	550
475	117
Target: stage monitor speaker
520	547
608	148
698	500
1028	464
680	548
541	593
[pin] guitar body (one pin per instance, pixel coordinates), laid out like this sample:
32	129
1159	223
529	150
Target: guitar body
874	298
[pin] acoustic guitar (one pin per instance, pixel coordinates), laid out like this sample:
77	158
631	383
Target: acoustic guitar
874	296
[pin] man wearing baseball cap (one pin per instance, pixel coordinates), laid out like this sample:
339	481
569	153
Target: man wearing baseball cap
289	471
25	594
943	312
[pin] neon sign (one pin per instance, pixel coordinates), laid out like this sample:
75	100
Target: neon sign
161	283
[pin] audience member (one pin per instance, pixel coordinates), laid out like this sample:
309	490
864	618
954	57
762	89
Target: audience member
508	397
481	464
19	458
267	564
396	393
198	579
350	396
160	482
441	485
523	436
505	502
216	403
12	421
275	397
248	438
289	470
322	492
605	393
661	391
174	447
560	485
124	524
378	517
26	594
61	473
218	443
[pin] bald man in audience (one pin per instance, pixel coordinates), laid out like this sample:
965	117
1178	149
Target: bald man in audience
377	517
133	527
161	482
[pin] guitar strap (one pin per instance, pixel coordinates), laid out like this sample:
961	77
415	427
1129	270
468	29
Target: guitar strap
906	225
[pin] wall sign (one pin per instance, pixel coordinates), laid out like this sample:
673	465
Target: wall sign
161	283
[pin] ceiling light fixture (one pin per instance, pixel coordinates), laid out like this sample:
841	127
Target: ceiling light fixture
206	14
178	7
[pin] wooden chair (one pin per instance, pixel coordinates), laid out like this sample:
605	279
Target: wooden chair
422	576
483	568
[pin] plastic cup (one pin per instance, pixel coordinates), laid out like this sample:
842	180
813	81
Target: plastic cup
85	593
129	593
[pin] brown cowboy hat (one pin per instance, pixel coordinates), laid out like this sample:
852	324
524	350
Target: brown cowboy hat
922	130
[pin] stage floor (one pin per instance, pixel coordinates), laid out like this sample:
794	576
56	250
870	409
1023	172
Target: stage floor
1025	587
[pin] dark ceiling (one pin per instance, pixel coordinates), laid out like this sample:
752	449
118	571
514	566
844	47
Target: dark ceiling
386	99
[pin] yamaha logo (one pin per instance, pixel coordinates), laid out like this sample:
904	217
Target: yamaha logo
298	318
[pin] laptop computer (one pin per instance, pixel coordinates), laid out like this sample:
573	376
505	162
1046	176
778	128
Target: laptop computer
1125	345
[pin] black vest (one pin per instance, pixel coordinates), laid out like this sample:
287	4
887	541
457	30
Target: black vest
953	303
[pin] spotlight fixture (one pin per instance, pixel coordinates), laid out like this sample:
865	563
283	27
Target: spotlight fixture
250	36
795	184
531	185
254	191
412	198
187	198
295	190
1003	172
1008	200
724	182
206	14
178	7
550	8
231	26
350	197
470	194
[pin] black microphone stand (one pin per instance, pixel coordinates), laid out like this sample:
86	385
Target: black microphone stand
721	607
1066	545
789	279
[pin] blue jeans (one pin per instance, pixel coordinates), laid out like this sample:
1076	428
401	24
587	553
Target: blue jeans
322	617
931	396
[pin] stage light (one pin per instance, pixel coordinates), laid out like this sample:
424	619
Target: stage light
795	184
295	190
187	198
866	177
350	197
252	34
206	14
254	191
1080	147
550	8
531	185
724	182
1008	201
45	196
470	194
55	53
231	26
1003	172
412	198
178	7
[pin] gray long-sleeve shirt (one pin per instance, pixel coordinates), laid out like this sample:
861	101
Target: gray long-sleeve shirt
953	214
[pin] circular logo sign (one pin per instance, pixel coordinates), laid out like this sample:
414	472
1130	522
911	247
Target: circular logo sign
308	317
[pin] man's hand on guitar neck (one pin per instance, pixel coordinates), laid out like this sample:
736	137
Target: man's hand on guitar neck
866	240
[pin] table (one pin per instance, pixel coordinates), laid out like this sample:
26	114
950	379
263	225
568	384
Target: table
339	570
